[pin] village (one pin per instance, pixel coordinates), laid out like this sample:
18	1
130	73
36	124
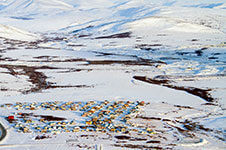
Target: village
95	116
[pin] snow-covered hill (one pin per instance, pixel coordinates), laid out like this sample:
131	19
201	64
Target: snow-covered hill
148	25
13	33
57	14
33	6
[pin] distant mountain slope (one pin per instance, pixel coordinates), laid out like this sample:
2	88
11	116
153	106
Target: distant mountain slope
47	15
33	6
146	18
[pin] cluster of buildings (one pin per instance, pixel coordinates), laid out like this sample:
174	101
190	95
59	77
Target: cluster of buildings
95	116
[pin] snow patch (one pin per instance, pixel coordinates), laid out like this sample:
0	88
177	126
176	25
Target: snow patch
13	33
156	24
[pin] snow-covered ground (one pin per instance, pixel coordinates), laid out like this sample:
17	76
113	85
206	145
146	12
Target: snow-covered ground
168	53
